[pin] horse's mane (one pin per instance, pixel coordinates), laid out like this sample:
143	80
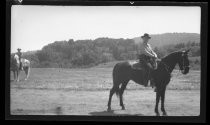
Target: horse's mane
171	54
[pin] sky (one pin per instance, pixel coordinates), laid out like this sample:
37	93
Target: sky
33	27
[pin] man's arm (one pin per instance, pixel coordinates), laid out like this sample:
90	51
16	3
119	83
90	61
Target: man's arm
148	53
145	50
155	55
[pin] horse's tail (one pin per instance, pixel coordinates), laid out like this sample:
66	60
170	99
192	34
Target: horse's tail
117	91
115	88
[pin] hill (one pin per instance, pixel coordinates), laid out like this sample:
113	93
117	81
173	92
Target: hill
159	40
88	53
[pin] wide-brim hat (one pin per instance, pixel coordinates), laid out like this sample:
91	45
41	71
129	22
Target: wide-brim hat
18	49
146	35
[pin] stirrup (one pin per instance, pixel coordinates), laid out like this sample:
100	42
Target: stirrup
145	85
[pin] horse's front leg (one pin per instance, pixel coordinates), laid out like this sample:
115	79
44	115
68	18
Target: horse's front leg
157	102
112	91
17	76
162	101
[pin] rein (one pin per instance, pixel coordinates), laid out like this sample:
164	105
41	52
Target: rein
166	66
168	69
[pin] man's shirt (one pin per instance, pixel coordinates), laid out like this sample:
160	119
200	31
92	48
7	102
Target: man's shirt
19	54
147	50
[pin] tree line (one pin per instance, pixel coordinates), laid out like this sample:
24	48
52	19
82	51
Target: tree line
87	53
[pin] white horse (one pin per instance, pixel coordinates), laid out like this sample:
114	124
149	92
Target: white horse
15	66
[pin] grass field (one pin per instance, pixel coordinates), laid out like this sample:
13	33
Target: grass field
96	78
85	92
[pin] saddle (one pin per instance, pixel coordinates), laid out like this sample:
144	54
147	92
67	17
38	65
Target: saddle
143	70
137	65
142	63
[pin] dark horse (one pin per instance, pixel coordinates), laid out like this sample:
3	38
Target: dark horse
123	73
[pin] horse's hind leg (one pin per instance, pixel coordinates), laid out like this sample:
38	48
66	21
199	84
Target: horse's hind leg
112	91
157	102
14	75
123	86
27	70
18	76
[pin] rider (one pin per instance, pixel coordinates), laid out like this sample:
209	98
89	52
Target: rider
19	53
145	53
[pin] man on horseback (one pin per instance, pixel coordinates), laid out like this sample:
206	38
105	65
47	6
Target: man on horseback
19	53
146	54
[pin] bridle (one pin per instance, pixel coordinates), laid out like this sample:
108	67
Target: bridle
184	66
168	68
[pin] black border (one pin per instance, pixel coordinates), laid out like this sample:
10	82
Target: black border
176	119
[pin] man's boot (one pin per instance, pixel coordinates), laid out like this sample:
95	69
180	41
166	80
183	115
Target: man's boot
155	90
152	83
145	83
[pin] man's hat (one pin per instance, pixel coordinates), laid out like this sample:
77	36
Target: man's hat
146	35
18	49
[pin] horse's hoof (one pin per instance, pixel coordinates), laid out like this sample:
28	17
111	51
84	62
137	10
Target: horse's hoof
157	114
109	109
165	114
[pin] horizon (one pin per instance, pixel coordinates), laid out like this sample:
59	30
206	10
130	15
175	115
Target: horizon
105	37
33	27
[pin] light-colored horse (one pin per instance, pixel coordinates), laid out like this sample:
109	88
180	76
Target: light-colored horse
15	66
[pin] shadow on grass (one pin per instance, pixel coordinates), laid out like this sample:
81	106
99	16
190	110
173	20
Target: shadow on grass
20	80
57	111
112	113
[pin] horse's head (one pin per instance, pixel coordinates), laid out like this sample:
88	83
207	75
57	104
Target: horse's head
183	62
15	59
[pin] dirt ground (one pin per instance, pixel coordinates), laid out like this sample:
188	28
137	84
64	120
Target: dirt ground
72	102
54	91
